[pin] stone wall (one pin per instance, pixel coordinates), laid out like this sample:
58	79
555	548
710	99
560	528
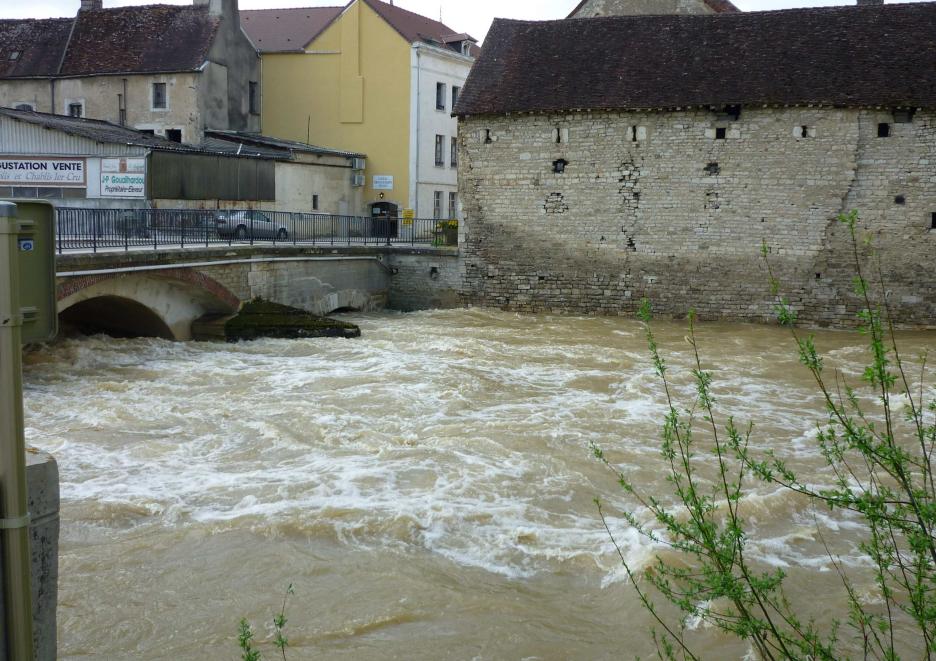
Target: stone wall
674	206
424	280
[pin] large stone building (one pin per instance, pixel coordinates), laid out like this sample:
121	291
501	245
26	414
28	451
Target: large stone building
610	159
173	71
375	78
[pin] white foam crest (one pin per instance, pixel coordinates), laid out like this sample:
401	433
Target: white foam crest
461	432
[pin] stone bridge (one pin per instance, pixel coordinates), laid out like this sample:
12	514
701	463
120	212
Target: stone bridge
160	293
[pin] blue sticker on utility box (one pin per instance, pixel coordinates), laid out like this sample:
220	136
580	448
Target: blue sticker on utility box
27	245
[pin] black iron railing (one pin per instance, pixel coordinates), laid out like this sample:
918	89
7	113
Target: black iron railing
126	229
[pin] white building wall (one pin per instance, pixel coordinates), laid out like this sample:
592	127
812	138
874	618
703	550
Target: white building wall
431	66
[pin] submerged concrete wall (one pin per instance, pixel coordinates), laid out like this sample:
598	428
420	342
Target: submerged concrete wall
43	482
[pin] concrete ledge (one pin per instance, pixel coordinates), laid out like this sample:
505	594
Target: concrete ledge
43	482
81	261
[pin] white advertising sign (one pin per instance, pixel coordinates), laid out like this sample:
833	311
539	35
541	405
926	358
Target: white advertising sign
43	172
383	182
123	177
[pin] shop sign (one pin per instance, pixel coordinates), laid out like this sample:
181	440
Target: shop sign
123	177
383	182
43	172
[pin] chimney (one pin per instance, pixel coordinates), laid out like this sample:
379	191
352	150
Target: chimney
87	5
218	7
865	3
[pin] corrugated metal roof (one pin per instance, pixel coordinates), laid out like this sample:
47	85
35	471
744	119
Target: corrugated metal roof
94	129
254	141
106	133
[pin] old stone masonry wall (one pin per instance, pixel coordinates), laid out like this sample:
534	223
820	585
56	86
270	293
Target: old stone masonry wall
591	212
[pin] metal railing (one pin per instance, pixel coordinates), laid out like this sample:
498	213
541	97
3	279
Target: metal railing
126	229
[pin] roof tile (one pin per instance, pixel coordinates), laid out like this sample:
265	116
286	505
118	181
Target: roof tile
844	56
148	39
285	30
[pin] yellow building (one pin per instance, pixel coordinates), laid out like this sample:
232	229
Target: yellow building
374	78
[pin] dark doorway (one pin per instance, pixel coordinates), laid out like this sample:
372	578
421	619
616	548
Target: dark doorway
385	218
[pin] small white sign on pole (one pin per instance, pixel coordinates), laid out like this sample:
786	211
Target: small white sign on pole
123	177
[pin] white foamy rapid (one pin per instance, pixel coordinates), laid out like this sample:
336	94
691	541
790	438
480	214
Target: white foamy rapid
457	437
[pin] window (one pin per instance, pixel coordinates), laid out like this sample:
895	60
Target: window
440	96
466	48
14	56
437	205
455	92
453	205
486	136
933	221
315	203
160	102
254	97
75	109
883	130
904	116
560	166
804	132
175	135
147	131
721	133
440	151
25	106
900	200
453	157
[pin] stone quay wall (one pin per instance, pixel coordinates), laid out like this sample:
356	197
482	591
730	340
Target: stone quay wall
674	207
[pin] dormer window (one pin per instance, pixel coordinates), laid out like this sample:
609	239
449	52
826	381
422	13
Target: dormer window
14	56
466	48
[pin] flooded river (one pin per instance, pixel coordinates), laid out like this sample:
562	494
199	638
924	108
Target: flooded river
427	489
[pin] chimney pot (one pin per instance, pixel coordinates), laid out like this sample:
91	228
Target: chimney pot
87	5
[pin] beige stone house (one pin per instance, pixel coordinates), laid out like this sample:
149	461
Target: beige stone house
174	71
621	157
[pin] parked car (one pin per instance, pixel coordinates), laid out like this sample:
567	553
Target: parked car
249	224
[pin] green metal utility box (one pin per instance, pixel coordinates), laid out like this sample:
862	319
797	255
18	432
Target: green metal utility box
36	247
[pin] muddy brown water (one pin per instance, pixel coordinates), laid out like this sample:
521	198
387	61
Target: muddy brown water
427	489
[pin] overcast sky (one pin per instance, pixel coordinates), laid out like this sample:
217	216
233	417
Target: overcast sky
472	16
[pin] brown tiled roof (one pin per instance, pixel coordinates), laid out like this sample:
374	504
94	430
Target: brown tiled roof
285	30
415	27
843	56
37	44
148	39
718	6
145	39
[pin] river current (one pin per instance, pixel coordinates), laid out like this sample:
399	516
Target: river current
427	489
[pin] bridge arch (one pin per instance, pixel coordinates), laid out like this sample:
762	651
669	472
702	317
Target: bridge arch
142	303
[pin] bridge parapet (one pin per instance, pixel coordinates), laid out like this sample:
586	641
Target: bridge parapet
168	289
